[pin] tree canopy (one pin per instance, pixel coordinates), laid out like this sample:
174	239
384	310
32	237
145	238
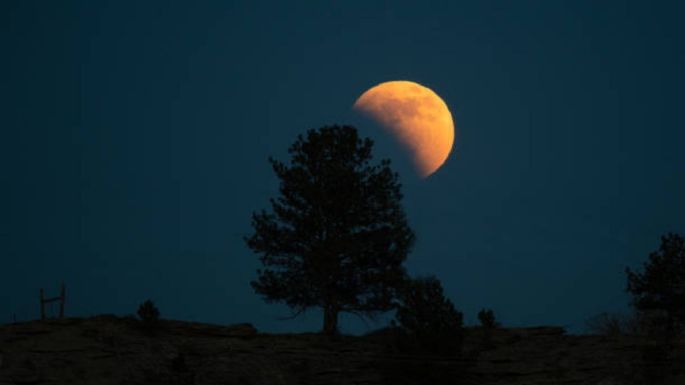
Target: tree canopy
660	288
336	236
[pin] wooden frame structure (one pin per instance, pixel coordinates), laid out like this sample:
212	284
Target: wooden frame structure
61	299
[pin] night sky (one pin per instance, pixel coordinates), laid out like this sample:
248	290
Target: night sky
134	139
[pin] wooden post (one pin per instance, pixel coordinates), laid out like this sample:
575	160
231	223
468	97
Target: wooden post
62	296
62	299
42	304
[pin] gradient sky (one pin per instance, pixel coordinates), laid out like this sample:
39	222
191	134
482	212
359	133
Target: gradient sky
134	139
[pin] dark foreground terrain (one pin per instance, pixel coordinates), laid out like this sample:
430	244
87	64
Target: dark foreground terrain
112	350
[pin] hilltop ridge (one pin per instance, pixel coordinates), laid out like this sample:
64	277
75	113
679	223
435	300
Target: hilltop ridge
113	350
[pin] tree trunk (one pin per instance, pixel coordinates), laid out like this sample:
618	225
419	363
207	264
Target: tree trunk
330	319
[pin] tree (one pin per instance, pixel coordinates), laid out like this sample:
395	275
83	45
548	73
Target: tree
429	317
337	235
487	319
149	316
660	289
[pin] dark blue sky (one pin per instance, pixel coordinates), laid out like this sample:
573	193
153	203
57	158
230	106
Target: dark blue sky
134	139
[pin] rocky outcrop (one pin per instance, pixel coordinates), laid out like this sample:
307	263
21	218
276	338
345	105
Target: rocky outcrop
112	350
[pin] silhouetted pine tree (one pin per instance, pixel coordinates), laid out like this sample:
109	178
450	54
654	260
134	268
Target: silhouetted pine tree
337	235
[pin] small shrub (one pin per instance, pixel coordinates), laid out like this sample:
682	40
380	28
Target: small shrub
488	324
643	323
149	316
428	321
487	319
605	324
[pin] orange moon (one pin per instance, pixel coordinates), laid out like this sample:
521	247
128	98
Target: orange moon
417	116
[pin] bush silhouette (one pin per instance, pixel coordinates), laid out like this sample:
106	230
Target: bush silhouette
149	316
488	324
487	319
429	321
606	324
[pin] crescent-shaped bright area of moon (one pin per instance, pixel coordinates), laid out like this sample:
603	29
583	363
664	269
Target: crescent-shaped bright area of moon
417	116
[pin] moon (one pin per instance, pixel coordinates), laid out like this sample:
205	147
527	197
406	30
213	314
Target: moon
417	116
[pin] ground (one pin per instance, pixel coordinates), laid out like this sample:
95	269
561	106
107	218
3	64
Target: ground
115	350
